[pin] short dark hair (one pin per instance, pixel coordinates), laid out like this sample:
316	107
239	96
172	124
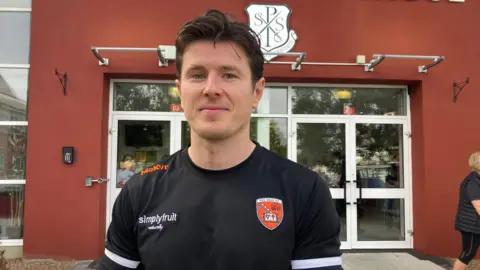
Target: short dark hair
126	158
215	26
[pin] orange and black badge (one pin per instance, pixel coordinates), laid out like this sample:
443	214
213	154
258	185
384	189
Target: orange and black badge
270	212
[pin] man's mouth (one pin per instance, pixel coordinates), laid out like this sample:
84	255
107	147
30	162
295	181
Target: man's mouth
212	109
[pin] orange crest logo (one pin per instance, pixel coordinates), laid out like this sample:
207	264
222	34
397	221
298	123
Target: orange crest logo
270	212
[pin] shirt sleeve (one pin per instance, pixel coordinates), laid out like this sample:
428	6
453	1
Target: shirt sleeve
317	240
473	190
121	252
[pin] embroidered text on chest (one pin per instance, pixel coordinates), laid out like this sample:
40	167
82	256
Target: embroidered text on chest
158	221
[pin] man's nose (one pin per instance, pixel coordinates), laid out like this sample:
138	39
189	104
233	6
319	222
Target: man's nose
212	86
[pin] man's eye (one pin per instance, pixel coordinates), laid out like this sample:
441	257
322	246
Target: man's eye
197	76
230	76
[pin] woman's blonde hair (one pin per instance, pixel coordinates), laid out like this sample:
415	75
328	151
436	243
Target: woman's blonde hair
474	162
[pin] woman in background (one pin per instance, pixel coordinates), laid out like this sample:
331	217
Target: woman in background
125	171
468	214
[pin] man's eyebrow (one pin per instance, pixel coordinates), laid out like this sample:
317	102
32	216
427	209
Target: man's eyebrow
195	67
230	68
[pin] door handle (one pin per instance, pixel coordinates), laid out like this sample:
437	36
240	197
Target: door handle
345	193
359	186
89	180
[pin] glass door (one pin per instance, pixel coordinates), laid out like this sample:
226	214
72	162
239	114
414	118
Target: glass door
381	184
365	164
137	142
321	144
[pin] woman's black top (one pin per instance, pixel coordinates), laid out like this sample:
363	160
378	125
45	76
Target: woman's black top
467	219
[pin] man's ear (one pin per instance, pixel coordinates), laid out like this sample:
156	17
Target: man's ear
179	89
258	92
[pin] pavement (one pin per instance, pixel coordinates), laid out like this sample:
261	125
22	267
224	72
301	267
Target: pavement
389	261
366	261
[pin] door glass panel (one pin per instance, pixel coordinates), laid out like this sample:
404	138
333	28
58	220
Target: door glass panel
381	220
140	144
380	155
321	148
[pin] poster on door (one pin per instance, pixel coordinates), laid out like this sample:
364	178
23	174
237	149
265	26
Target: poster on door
348	109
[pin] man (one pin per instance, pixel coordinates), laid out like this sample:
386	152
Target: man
224	202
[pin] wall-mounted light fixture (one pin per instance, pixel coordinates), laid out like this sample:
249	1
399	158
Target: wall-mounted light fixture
343	94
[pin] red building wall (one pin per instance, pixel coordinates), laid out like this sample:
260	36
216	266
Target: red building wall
64	219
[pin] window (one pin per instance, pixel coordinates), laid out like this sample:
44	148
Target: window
15	3
152	97
358	101
14	71
274	101
15	36
13	94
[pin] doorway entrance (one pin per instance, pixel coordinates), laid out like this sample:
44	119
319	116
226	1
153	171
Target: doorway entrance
139	141
365	163
356	137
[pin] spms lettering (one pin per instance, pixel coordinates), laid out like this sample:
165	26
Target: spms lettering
157	167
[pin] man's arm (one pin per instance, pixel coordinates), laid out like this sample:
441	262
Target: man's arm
121	252
318	235
473	192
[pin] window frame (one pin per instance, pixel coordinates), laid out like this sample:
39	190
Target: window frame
16	242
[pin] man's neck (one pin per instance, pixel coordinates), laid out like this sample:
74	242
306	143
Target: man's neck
220	155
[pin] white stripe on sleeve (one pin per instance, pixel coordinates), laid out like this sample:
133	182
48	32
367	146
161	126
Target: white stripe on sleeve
120	260
316	263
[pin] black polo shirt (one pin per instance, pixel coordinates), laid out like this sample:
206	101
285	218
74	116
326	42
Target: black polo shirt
265	213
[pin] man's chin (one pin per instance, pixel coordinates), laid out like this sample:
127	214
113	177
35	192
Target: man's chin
212	133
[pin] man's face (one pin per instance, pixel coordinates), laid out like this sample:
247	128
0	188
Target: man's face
129	164
216	89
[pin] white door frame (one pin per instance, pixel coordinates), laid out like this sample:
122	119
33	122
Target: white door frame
352	192
175	145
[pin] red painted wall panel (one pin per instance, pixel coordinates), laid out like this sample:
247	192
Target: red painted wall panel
64	219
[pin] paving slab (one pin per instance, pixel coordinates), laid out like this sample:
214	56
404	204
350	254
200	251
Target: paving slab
83	265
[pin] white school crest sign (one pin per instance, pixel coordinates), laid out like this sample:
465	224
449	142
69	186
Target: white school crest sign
271	23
